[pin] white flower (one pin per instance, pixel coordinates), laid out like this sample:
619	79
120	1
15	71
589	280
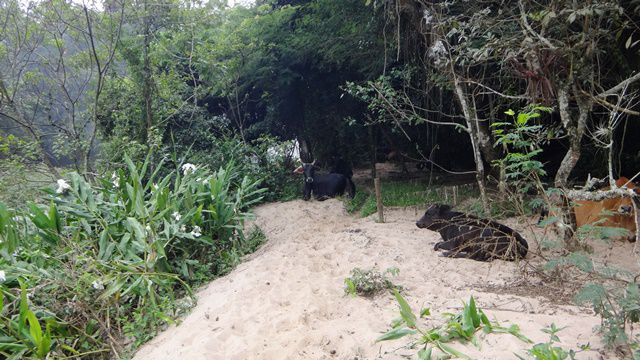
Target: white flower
196	232
188	168
97	284
3	276
63	186
176	215
115	180
183	228
148	228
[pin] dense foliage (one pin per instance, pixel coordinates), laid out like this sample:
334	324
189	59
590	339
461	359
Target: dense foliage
94	264
519	93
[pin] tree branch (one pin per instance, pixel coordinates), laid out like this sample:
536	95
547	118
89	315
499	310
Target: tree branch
525	22
614	90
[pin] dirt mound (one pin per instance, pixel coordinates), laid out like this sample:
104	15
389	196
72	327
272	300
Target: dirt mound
287	300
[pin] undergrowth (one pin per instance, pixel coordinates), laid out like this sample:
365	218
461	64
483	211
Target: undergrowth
398	193
549	350
433	343
369	282
94	269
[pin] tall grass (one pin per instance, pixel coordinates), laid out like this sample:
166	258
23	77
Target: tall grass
107	261
397	193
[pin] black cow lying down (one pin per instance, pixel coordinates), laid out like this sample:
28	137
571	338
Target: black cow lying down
470	237
324	186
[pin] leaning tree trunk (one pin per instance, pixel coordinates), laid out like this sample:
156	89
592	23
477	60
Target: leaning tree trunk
575	127
485	142
473	127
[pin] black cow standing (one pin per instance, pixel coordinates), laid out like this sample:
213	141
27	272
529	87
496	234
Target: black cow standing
470	237
324	186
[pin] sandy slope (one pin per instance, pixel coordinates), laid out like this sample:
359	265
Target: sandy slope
287	301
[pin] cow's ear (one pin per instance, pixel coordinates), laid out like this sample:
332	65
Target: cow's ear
299	170
444	208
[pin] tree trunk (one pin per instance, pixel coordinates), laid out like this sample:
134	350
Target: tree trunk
575	127
473	130
372	150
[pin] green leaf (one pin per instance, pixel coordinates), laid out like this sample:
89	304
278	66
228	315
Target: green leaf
39	218
425	312
137	228
396	333
55	217
405	310
34	328
425	354
24	307
449	350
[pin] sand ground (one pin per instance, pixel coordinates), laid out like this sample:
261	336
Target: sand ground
287	301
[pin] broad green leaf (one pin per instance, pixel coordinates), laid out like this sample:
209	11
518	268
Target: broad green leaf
405	310
137	228
34	328
425	354
39	218
394	334
449	350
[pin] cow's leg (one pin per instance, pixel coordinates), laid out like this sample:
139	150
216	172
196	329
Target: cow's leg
455	254
351	188
477	253
452	244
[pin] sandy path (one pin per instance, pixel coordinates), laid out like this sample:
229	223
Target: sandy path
287	301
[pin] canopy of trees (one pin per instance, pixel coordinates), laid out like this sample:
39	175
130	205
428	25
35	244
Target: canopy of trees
82	85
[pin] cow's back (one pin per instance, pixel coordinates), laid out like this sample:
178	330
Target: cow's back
588	212
328	185
489	239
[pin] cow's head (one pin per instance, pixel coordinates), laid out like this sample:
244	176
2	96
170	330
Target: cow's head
433	216
625	209
308	170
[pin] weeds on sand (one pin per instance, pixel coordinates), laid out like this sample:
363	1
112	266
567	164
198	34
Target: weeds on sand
547	350
460	327
369	282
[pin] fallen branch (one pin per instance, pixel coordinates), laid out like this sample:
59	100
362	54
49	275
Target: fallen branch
599	195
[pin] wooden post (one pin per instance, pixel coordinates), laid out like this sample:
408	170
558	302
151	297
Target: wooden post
376	182
372	151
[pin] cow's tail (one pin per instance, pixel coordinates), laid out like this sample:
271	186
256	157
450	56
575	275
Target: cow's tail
351	187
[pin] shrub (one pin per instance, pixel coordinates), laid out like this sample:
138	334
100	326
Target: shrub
108	261
369	282
548	350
